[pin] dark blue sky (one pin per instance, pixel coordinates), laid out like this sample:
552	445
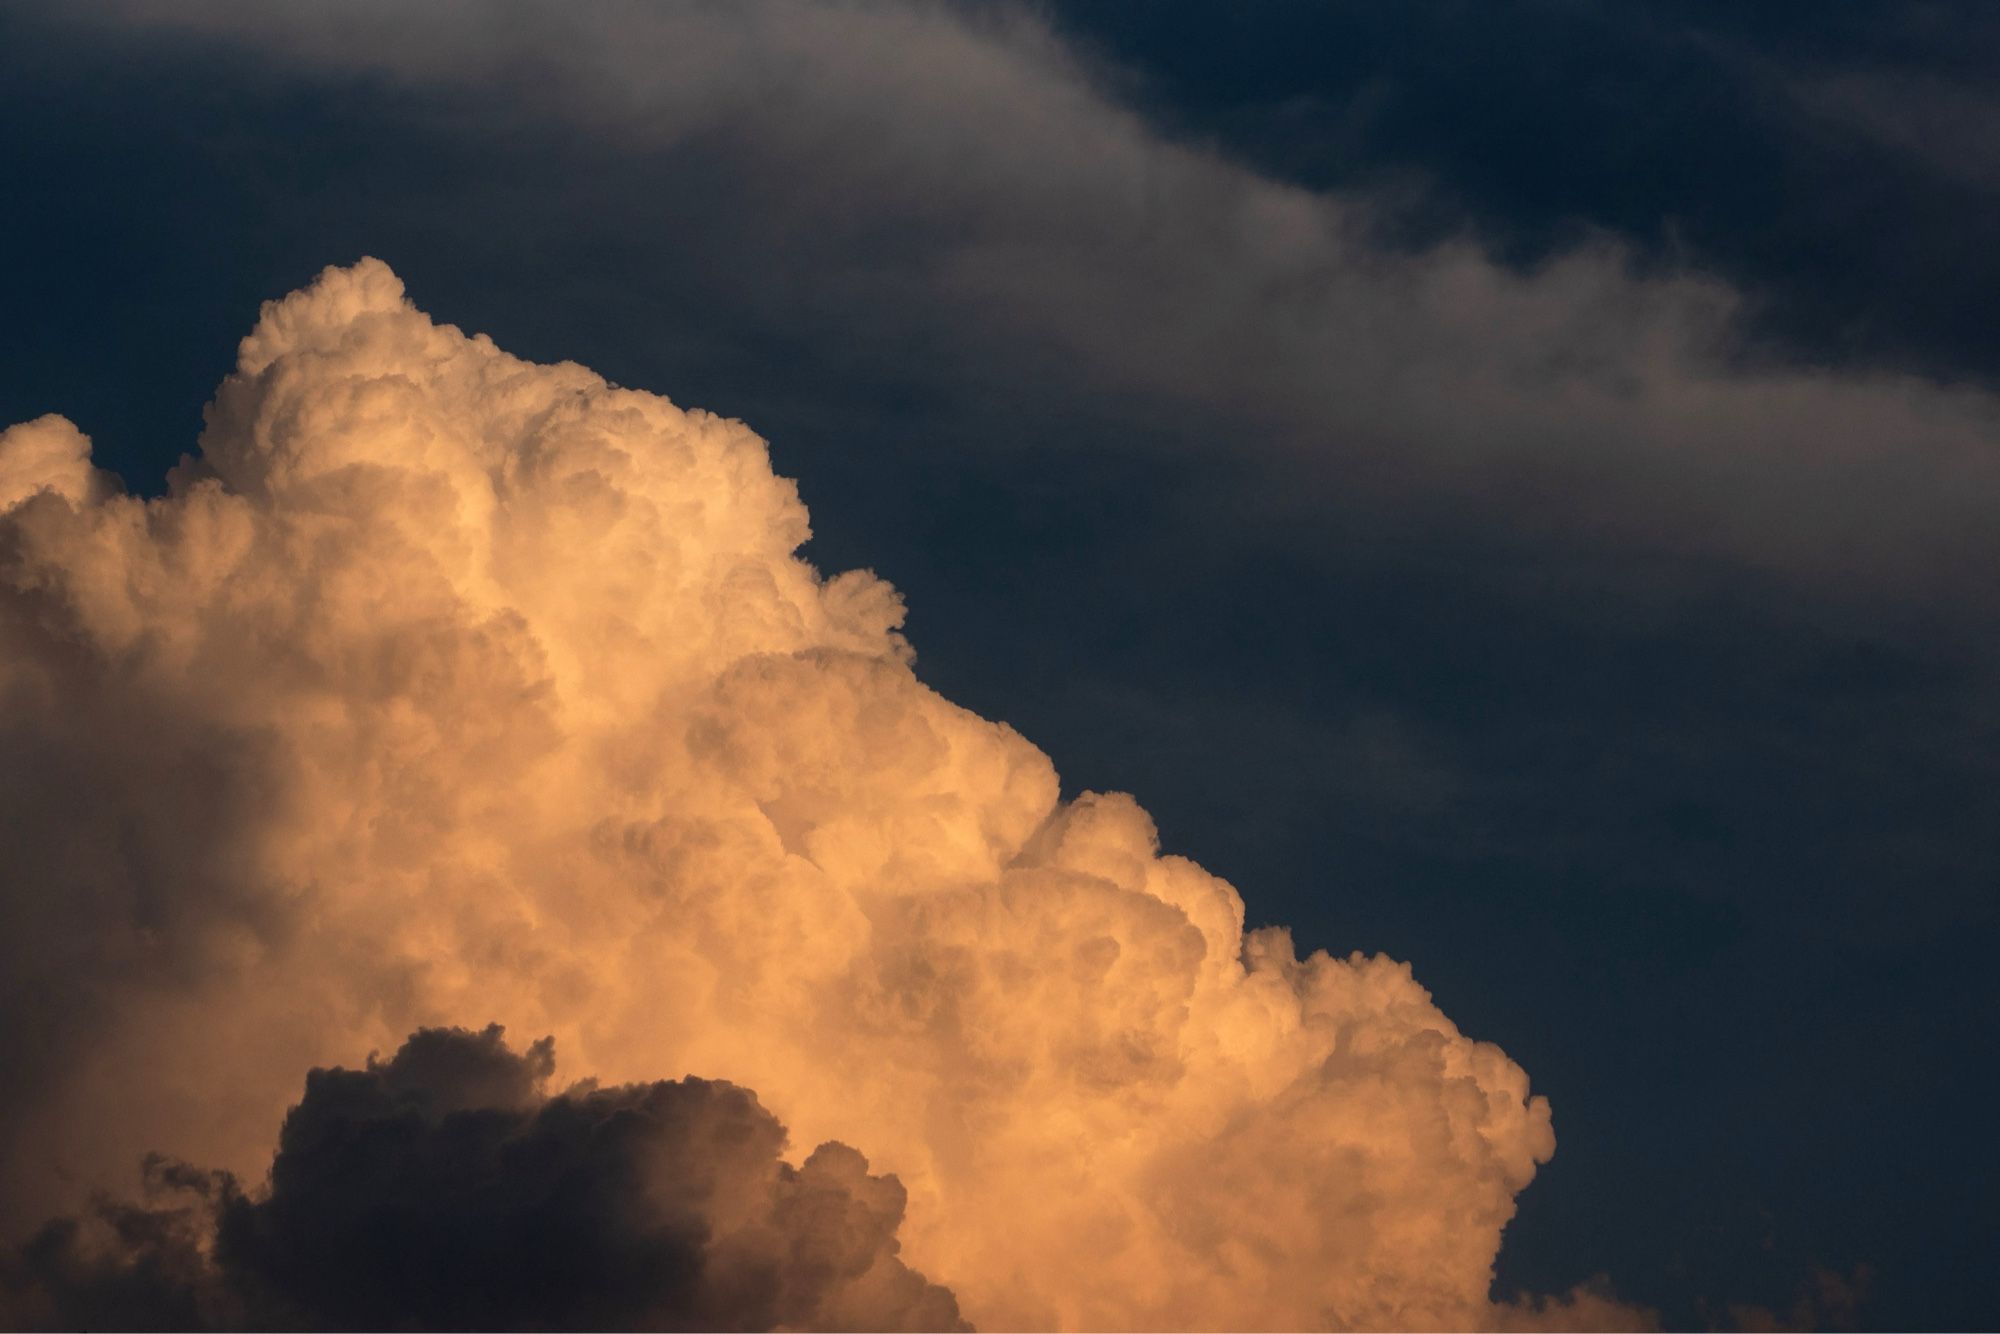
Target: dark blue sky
1701	831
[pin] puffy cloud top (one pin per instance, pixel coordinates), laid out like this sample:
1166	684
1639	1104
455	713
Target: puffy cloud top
47	454
442	686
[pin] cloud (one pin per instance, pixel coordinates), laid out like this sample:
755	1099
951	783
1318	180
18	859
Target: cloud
48	454
1829	1299
958	180
444	687
443	1189
1945	124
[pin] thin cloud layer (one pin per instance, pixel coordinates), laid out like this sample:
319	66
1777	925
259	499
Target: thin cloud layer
960	177
442	687
443	1189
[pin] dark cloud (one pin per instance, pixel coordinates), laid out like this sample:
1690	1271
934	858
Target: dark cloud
1828	159
442	1189
854	161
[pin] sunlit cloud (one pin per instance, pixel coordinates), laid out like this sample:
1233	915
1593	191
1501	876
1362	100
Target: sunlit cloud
443	688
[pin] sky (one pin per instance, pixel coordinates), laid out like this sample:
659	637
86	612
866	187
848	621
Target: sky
1505	488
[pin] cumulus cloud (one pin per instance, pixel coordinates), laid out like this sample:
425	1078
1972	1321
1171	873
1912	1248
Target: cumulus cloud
443	687
443	1189
48	454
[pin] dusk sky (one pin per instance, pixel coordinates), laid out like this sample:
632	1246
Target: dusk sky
1511	490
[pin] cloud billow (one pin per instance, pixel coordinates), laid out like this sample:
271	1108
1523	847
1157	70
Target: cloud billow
442	1189
443	687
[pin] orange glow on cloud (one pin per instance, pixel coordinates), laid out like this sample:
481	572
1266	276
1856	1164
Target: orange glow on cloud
444	688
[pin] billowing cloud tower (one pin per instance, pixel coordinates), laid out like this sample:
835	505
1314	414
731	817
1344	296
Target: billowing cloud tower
442	688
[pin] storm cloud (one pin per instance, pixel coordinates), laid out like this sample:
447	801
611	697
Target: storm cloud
444	1189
